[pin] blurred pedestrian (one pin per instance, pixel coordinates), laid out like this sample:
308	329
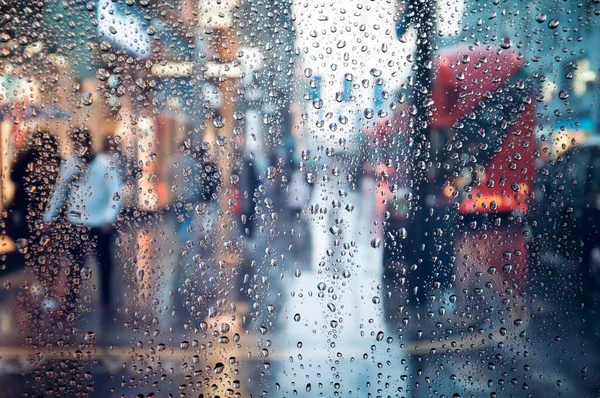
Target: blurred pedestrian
195	208
249	184
34	174
87	196
196	180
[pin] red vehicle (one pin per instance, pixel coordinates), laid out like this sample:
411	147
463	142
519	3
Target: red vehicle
481	175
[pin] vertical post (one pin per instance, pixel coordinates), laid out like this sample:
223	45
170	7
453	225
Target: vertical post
227	155
425	24
147	200
5	131
423	81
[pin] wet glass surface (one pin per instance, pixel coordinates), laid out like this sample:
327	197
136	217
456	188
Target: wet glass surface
388	198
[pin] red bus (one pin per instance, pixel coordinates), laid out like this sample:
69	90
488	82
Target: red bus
480	179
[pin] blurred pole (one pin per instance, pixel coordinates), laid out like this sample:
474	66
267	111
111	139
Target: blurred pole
425	25
424	21
5	130
147	201
228	160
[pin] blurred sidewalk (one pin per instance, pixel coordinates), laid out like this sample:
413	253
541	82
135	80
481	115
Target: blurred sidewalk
264	346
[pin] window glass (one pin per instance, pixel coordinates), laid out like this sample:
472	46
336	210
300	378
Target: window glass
245	198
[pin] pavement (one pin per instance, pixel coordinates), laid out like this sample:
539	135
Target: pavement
292	326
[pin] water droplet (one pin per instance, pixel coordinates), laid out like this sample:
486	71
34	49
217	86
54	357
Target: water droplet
87	99
86	273
221	140
22	245
506	43
219	368
402	233
224	327
335	230
219	122
540	18
375	72
493	205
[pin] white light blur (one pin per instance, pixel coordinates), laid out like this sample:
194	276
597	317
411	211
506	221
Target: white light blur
129	31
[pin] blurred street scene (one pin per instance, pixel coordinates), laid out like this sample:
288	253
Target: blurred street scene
241	198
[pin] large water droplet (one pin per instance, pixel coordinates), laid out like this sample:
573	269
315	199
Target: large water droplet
219	367
540	18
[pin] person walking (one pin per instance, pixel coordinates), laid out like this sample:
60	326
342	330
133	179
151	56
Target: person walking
87	197
195	211
34	173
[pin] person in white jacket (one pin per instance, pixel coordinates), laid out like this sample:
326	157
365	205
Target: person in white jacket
86	202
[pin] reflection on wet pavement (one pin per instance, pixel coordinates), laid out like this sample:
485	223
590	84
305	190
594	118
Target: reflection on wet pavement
308	321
